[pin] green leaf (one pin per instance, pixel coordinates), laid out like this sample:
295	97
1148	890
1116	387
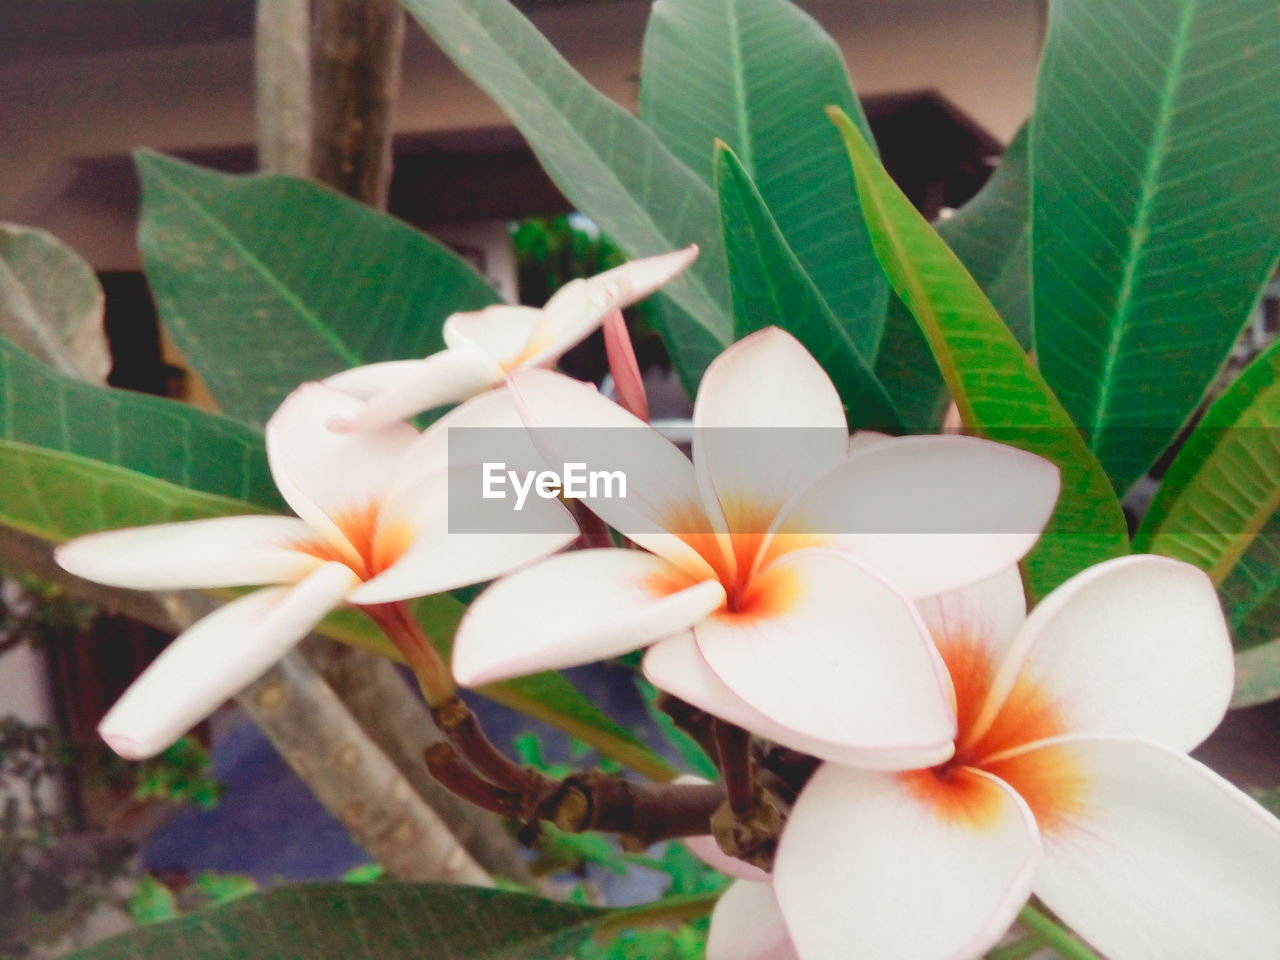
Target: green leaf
770	288
1224	486
152	901
997	389
380	921
1154	165
79	458
756	74
222	888
267	281
1251	591
51	304
610	165
991	235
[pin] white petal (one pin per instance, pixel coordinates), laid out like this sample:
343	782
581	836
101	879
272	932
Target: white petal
328	476
747	925
906	866
440	557
570	422
216	658
484	428
1163	859
989	612
219	552
501	333
409	387
767	423
575	608
367	379
932	514
678	667
827	649
1135	646
577	308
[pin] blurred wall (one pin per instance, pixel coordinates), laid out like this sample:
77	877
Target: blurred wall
57	114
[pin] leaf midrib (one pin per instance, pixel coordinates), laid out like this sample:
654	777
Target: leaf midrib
1139	233
746	153
272	280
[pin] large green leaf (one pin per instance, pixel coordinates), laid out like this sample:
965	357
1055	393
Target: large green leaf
51	304
997	389
155	438
757	74
770	288
1155	219
267	281
610	165
379	921
55	495
991	235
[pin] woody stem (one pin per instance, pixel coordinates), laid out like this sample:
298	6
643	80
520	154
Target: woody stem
734	747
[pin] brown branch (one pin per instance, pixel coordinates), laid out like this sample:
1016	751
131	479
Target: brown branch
698	724
461	728
733	747
457	777
356	51
643	813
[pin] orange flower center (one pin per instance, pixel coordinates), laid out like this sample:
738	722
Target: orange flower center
1048	778
372	545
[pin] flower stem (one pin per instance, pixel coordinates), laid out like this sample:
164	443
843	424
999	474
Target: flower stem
402	629
1052	934
1018	950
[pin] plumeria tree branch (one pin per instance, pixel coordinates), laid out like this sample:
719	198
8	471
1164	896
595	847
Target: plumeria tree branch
357	46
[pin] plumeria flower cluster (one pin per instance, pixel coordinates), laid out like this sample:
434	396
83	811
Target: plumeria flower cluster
371	498
1069	780
853	598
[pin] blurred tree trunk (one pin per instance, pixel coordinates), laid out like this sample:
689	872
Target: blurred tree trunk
328	115
356	46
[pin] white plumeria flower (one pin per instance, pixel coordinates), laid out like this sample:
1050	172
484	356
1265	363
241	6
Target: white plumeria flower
1070	780
483	346
372	528
767	602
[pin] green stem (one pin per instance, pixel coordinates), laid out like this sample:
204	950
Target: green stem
1018	950
1053	935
